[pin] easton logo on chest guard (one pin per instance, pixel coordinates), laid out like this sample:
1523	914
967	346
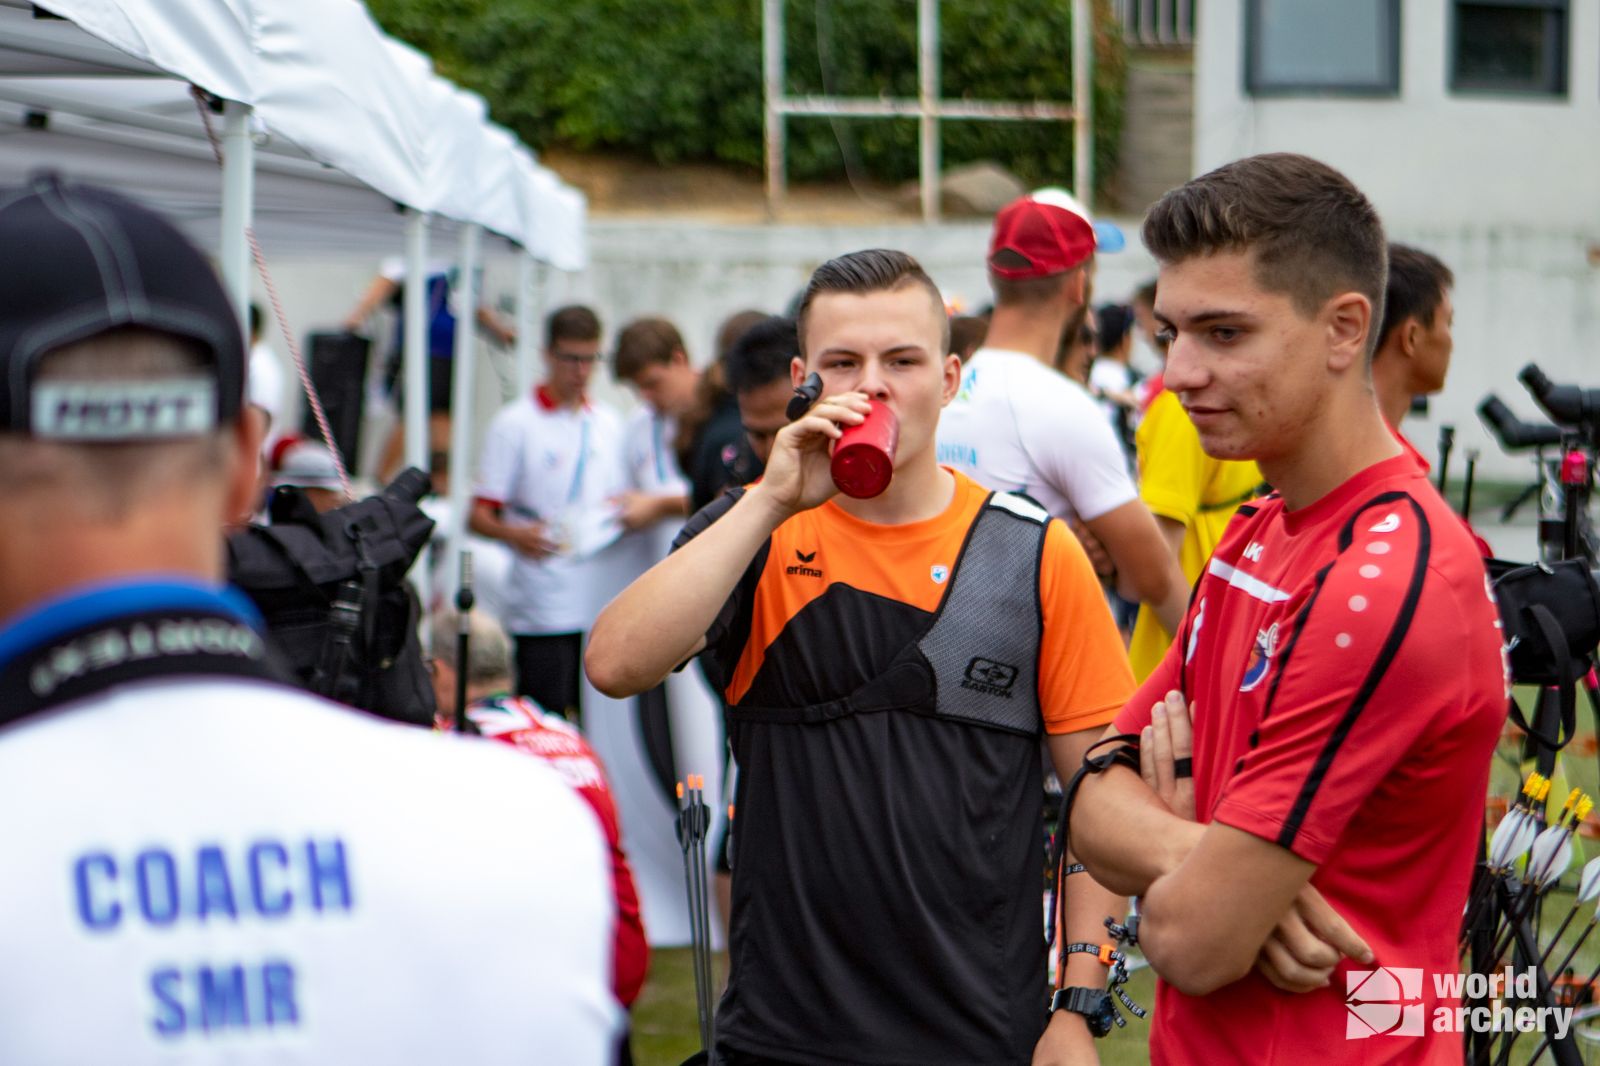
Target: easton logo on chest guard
990	677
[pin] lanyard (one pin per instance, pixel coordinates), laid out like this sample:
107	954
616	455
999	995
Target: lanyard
658	427
576	489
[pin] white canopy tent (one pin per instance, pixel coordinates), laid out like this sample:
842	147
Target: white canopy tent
328	126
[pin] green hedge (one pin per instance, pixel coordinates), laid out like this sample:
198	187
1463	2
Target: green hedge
677	80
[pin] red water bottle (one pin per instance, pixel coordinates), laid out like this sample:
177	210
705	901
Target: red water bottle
863	459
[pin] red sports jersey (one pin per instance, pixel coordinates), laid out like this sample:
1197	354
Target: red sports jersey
1345	669
522	724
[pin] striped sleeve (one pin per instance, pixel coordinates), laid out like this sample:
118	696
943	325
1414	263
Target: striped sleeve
1362	679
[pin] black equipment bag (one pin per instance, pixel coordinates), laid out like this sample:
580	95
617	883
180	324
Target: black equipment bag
333	591
338	367
1550	614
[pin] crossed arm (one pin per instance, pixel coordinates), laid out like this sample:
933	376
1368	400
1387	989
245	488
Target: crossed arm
1217	901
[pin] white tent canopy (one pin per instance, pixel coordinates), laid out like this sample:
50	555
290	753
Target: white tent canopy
318	74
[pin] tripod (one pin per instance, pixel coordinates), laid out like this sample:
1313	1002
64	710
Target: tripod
1506	909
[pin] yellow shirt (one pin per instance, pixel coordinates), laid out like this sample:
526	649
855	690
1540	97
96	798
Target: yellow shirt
1178	480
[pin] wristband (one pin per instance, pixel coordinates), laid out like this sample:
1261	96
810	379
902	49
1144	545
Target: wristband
1093	1003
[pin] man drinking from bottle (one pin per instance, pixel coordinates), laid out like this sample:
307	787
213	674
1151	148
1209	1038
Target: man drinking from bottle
890	663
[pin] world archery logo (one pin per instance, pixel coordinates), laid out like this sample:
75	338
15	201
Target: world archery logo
990	678
1383	1002
804	569
1261	658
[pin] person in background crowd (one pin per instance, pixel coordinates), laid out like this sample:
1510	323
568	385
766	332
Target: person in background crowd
650	358
758	371
1341	660
1018	425
551	465
711	446
1112	378
307	465
223	886
520	722
387	290
1414	342
1077	350
966	335
1143	304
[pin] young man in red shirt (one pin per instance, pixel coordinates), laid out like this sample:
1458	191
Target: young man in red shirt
1340	659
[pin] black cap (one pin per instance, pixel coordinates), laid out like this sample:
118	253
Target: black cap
78	260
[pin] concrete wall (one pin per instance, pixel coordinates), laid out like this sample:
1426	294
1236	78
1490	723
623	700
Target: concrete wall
1505	190
693	273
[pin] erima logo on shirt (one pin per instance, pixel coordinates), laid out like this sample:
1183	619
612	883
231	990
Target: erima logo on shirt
803	570
990	677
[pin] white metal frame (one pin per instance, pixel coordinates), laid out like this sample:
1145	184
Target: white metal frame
927	108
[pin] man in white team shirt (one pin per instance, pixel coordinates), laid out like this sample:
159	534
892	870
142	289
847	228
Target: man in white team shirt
1017	425
203	864
548	477
651	359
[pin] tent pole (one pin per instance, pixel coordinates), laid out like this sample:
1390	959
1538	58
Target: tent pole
463	400
415	355
526	323
238	205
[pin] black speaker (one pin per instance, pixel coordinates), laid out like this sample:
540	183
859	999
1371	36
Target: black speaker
339	374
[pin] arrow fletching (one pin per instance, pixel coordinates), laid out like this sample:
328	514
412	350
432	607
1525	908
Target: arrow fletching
1543	854
1589	883
1505	833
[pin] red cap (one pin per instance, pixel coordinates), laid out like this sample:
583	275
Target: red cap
1046	232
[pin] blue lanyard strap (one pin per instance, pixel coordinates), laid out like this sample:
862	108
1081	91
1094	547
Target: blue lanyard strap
576	488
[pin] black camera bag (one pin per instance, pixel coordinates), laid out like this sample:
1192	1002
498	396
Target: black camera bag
333	591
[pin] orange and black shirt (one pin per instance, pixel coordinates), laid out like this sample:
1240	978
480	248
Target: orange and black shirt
887	865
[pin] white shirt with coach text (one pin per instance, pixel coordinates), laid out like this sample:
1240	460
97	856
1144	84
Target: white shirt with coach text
222	870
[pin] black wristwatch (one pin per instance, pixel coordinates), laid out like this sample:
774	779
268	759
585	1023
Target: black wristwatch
1093	1003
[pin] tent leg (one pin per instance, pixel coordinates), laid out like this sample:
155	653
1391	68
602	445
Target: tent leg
238	205
527	343
463	400
416	353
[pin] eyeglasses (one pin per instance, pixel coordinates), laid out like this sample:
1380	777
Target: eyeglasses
576	358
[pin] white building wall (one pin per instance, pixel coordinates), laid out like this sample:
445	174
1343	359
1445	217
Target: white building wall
1505	190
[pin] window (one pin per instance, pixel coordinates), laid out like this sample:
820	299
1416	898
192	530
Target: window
1313	46
1510	46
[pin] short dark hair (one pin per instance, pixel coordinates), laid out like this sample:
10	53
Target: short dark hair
1114	320
571	323
1417	283
1027	292
871	270
644	342
761	355
735	326
966	334
1145	294
1312	231
255	320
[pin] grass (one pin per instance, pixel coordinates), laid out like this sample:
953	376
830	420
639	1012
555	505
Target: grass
666	1030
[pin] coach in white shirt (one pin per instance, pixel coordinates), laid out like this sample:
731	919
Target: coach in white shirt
1017	425
203	864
